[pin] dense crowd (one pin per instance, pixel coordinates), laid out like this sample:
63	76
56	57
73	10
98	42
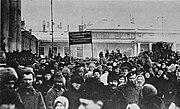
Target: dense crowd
113	81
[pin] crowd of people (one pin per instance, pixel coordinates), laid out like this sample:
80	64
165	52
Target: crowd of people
114	81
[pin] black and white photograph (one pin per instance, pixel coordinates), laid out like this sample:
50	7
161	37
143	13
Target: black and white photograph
90	54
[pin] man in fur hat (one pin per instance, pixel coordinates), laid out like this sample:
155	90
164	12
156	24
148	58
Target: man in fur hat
73	92
8	95
56	90
32	99
150	99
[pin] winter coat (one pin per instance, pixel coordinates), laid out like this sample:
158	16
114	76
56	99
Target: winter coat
151	102
32	99
115	100
51	95
73	96
132	94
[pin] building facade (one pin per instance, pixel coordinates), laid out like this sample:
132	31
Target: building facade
129	41
29	41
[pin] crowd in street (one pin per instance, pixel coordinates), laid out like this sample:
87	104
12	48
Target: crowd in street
150	80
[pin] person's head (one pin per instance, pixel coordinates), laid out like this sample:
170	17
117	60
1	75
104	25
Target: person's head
147	75
92	66
61	102
122	80
8	77
140	80
91	100
59	81
100	68
48	76
110	68
101	54
27	78
160	72
113	81
43	66
132	106
116	69
76	82
133	68
149	90
90	104
55	64
156	69
80	71
125	70
96	73
52	71
131	77
66	72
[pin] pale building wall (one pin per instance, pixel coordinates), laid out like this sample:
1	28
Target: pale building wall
101	47
128	42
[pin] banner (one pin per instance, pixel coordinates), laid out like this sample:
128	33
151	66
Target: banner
80	37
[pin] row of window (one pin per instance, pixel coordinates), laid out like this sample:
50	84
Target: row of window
79	52
65	50
114	35
55	49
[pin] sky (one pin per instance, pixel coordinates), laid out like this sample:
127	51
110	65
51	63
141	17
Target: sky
103	14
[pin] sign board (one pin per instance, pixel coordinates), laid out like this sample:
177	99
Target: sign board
80	37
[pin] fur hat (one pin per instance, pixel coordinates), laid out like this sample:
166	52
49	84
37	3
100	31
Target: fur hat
63	100
77	79
59	77
26	70
66	70
149	90
92	65
8	74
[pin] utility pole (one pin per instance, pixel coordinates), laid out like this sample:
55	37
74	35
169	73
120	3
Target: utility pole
52	23
162	26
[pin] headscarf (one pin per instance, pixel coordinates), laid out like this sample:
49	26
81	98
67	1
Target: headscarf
63	100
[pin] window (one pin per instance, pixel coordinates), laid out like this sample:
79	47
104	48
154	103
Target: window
66	50
128	52
102	35
55	50
106	35
118	35
79	52
41	50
